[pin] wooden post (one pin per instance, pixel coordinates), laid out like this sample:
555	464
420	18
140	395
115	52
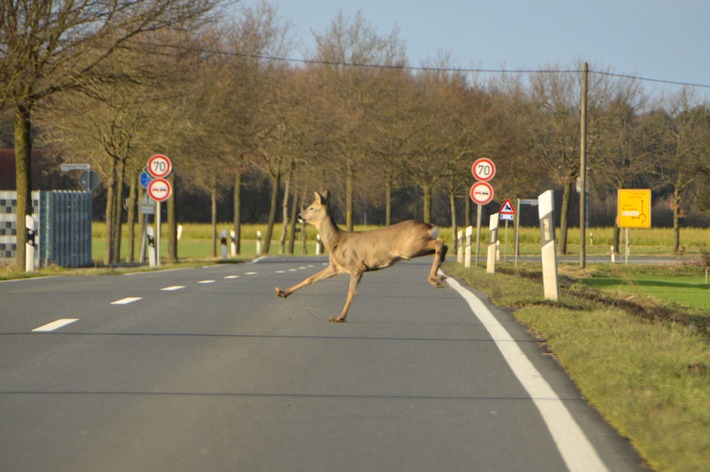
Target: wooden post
583	170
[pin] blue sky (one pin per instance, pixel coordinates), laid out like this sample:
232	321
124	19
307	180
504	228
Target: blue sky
658	39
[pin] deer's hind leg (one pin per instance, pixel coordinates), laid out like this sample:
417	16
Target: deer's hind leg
439	256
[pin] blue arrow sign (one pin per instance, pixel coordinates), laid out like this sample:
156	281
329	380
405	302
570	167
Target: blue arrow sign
145	179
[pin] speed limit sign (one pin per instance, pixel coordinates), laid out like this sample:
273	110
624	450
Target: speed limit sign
483	169
159	166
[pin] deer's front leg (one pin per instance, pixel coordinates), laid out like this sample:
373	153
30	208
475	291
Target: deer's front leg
323	274
354	281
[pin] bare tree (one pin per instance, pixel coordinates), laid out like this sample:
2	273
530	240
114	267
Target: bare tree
686	127
51	47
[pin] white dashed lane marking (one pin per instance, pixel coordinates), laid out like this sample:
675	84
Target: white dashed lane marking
54	325
126	301
206	282
172	288
231	277
250	273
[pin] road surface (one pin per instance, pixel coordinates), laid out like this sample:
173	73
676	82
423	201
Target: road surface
206	369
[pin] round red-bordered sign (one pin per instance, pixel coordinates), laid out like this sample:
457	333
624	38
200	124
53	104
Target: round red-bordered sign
159	166
159	190
481	193
483	169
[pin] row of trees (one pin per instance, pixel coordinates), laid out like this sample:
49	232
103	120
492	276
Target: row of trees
217	97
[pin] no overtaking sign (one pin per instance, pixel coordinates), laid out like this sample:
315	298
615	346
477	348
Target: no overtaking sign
159	190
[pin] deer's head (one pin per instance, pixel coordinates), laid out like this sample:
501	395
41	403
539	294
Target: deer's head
316	211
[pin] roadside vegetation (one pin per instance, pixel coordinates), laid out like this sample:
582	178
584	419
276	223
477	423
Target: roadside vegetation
634	339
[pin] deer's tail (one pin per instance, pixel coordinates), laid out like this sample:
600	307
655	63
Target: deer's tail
434	232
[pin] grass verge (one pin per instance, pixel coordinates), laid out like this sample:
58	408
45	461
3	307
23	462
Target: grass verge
648	376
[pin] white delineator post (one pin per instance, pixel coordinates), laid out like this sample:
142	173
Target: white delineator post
223	244
152	262
549	250
30	245
467	247
459	247
492	240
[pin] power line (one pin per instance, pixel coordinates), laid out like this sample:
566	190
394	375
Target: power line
463	70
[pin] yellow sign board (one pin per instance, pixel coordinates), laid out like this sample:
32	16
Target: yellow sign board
634	208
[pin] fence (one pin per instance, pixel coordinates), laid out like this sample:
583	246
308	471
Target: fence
64	227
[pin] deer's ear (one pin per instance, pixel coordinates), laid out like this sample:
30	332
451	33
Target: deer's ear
326	195
322	199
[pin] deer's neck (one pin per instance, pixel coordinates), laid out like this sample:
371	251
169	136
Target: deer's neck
330	233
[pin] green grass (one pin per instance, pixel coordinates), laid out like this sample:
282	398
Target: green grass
691	291
650	379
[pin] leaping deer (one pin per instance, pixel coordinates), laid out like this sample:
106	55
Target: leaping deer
359	252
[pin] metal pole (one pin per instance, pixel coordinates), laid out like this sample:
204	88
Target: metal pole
583	170
478	233
157	235
517	234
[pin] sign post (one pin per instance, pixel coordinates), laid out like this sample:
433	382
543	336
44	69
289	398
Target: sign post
483	170
481	194
159	189
507	213
633	211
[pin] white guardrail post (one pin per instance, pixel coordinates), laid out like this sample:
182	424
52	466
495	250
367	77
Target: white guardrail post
467	247
549	253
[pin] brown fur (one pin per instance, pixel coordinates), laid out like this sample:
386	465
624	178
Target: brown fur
359	252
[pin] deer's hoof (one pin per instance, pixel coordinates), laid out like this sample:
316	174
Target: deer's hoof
281	293
437	281
337	320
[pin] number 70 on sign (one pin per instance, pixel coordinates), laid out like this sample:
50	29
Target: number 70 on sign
159	166
483	169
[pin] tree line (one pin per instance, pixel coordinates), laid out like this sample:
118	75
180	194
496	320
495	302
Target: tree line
209	84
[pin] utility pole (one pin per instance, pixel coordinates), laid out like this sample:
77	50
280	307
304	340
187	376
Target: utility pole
583	171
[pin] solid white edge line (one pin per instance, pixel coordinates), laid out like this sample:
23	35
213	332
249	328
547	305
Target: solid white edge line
576	450
125	301
54	325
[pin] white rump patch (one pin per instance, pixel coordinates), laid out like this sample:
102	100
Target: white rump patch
434	232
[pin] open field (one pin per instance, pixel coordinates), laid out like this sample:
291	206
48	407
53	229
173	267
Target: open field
196	240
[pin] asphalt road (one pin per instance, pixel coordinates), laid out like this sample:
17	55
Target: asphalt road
206	369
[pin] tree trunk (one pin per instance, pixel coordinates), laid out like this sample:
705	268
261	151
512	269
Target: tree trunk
284	210
118	212
110	210
276	183
454	223
292	226
238	211
426	212
172	223
23	179
131	220
617	237
213	218
388	200
676	221
349	175
564	217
